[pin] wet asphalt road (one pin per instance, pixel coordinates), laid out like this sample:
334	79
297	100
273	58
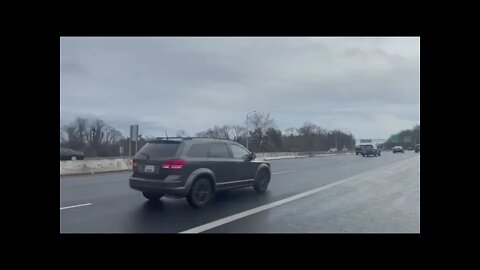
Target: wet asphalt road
348	194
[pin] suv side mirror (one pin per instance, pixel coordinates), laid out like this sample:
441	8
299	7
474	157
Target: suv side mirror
252	156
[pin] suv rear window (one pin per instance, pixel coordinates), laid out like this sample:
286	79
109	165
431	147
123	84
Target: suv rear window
368	146
157	150
198	150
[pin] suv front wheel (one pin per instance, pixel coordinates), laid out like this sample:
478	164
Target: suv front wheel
200	193
263	179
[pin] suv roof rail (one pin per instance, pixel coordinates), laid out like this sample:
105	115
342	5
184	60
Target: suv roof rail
189	138
167	138
185	138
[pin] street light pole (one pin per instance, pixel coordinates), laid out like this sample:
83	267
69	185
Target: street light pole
247	127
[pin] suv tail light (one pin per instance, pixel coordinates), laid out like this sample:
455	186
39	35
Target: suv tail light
176	164
135	165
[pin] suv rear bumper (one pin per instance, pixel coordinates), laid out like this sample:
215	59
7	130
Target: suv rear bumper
176	188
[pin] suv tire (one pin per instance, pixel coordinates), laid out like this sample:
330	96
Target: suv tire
262	181
201	193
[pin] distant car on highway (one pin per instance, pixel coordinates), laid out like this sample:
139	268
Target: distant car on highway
417	148
397	149
331	150
196	168
370	149
410	148
69	154
358	150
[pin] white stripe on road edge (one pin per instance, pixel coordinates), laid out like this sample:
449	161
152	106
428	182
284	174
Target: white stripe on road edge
229	219
283	172
223	221
73	206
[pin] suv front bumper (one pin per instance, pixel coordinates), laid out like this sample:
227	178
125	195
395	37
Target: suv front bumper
176	188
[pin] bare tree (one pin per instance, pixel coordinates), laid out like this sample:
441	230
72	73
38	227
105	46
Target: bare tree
216	133
181	133
112	135
224	132
81	128
259	124
291	132
307	130
96	136
72	140
239	132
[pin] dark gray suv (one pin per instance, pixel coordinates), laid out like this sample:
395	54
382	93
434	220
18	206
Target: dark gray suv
196	168
370	149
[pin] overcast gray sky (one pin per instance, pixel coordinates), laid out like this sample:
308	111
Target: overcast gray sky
367	86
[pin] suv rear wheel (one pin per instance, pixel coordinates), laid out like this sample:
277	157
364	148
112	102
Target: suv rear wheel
200	193
263	179
152	196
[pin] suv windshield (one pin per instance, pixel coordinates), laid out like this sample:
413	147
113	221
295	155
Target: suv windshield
157	150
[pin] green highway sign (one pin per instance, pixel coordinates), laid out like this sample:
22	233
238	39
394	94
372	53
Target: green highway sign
407	139
394	138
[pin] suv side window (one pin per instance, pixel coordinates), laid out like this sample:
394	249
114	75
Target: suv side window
238	152
218	150
198	150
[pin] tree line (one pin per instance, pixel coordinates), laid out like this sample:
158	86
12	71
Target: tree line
98	139
399	137
264	136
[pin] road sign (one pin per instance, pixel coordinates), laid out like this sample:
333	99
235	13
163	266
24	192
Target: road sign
394	139
134	132
407	139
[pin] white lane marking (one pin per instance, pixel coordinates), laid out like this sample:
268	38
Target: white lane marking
73	206
229	219
283	172
246	213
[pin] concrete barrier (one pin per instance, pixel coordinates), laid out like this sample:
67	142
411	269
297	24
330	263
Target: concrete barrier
94	166
291	155
90	166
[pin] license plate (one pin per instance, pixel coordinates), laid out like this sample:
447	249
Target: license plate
149	168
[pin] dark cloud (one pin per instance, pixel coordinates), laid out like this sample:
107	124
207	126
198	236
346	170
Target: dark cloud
369	85
72	68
